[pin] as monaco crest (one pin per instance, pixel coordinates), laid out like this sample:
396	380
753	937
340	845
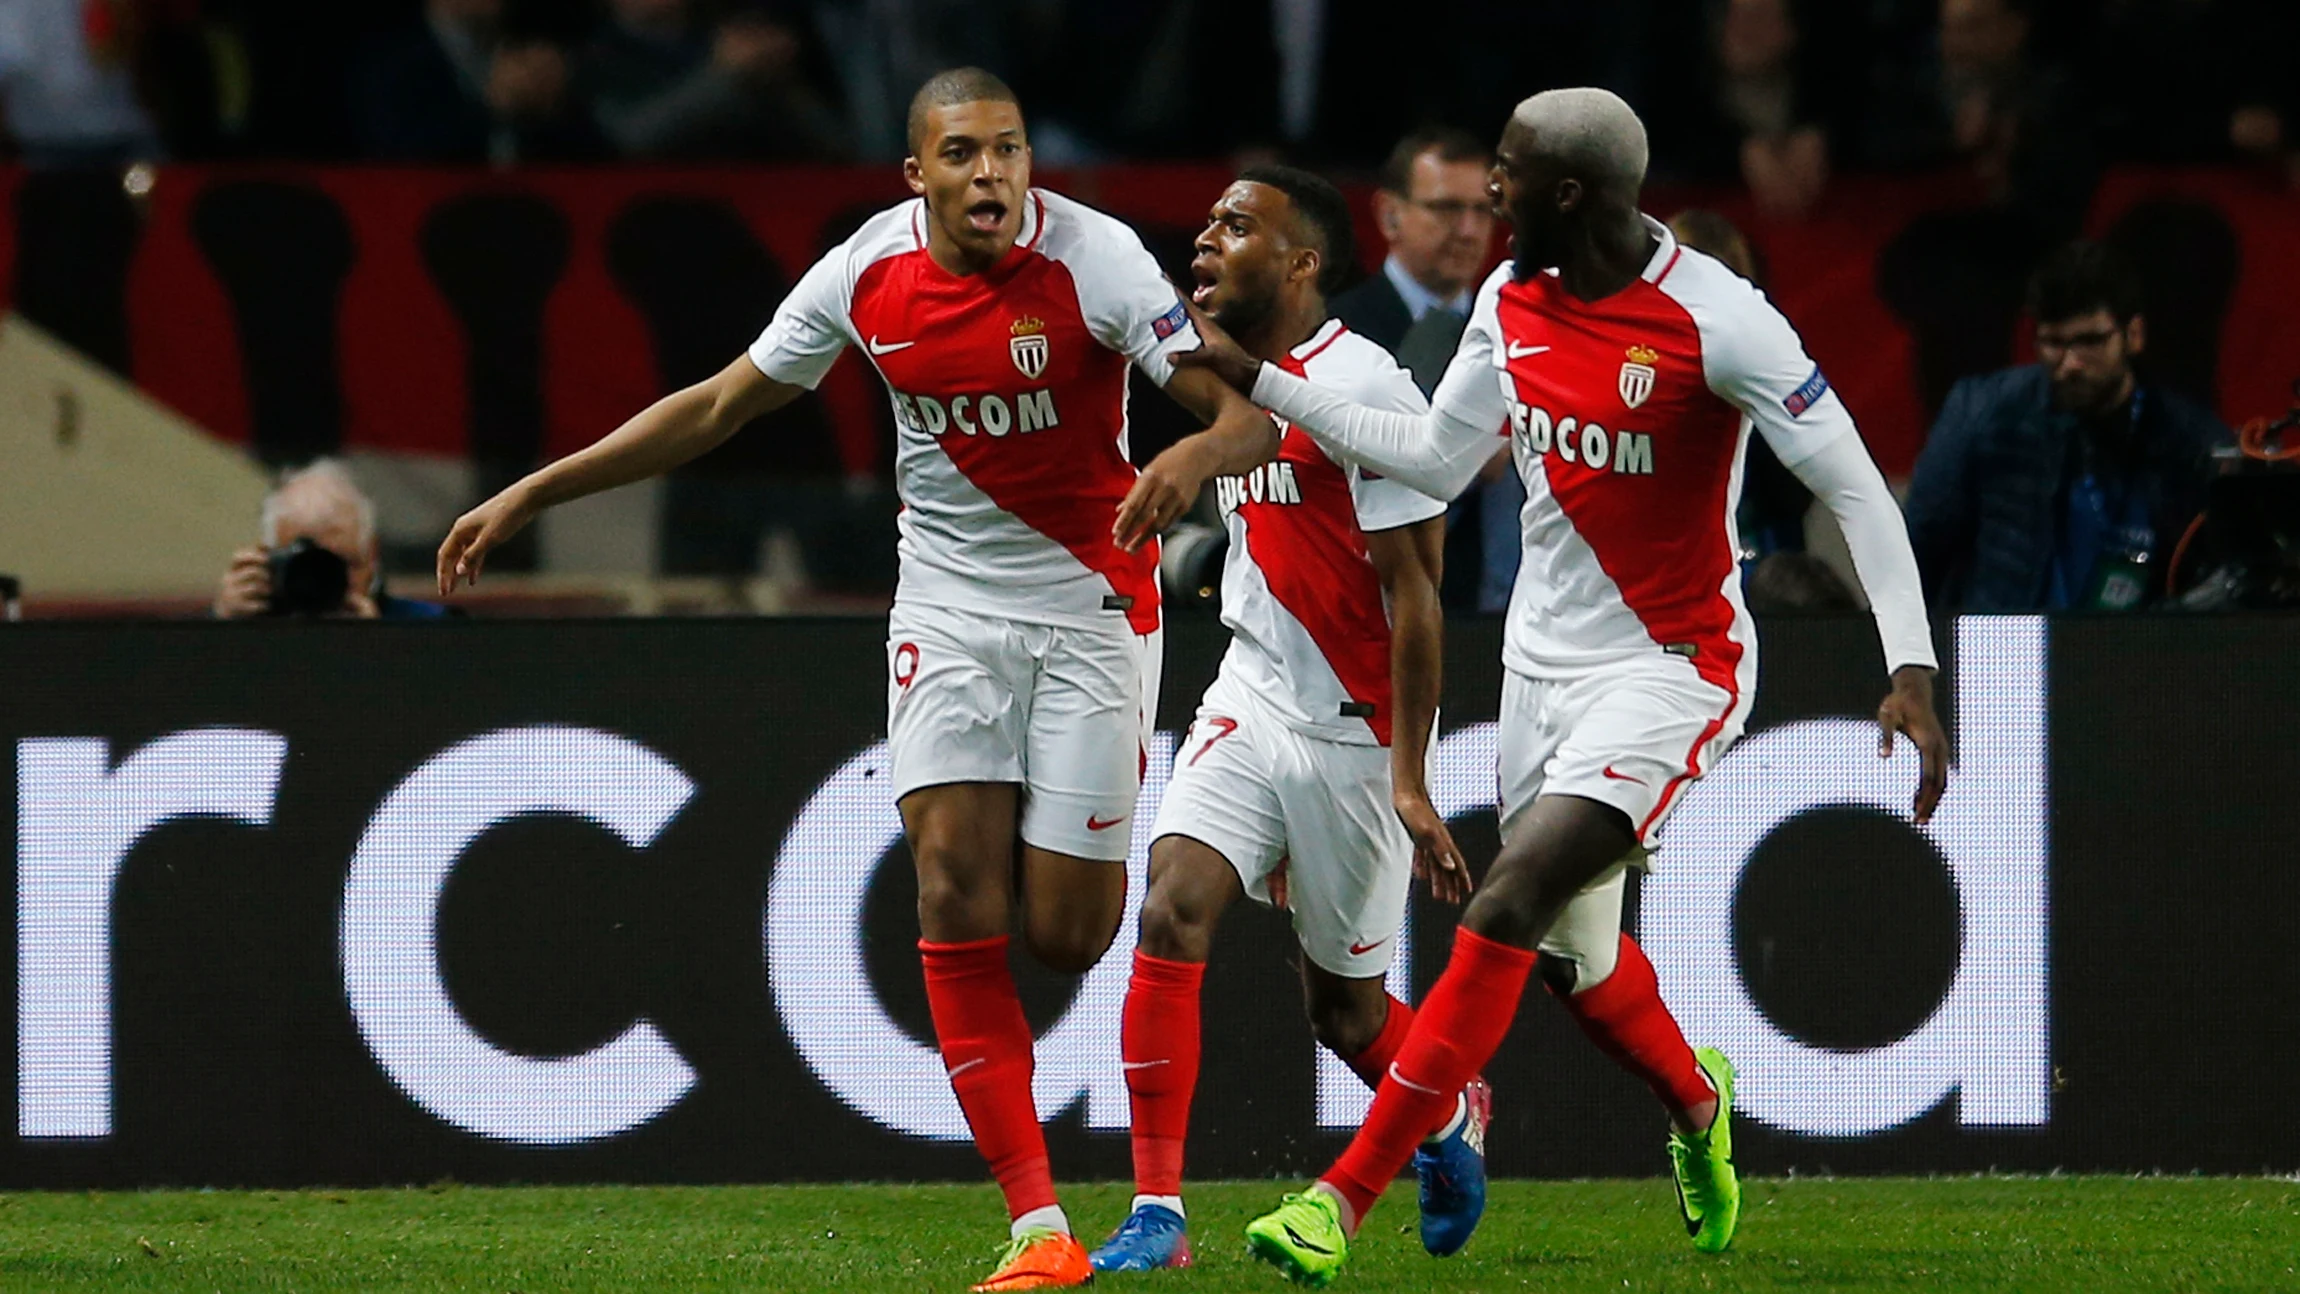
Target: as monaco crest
1028	346
1637	376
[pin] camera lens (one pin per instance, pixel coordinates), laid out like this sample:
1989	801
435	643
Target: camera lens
307	580
1190	564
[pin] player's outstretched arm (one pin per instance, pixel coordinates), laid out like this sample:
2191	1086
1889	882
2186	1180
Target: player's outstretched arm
1410	560
1238	438
1438	453
679	427
1845	479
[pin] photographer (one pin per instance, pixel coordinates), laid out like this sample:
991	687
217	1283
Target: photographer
319	556
2062	484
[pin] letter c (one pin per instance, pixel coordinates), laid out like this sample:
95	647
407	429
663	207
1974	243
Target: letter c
390	935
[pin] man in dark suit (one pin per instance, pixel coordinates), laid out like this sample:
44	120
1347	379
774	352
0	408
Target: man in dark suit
1433	211
2065	483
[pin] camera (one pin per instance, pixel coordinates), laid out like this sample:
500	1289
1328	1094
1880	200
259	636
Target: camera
1190	564
307	580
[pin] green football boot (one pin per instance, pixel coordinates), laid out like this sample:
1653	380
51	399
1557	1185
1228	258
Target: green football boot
1708	1190
1303	1238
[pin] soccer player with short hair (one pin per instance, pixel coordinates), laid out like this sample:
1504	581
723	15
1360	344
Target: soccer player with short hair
1023	648
1629	372
1303	775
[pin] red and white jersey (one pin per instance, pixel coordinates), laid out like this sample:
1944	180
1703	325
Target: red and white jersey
1311	634
1009	392
1627	419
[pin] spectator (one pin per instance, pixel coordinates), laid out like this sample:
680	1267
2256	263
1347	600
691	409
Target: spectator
320	504
665	85
1783	152
1433	210
1955	276
458	88
2063	483
67	84
1988	102
1750	106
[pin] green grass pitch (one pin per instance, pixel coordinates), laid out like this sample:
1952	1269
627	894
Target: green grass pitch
1807	1234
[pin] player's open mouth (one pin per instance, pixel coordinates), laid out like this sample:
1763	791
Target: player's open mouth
1208	280
986	215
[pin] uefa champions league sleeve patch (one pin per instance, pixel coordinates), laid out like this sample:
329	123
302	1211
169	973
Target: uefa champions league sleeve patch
1808	395
1171	322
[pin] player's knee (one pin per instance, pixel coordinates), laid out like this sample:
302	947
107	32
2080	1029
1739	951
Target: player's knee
960	900
1175	925
1505	913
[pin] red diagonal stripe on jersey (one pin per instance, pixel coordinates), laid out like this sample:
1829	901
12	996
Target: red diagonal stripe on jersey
1662	538
1313	557
1064	481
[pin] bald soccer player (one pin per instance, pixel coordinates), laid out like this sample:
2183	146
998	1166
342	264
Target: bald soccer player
1023	648
1629	372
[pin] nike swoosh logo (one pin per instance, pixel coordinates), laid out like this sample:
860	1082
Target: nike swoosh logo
979	1060
1520	352
1139	1064
878	347
1624	777
1402	1081
1296	1237
1097	824
1360	950
1685	1211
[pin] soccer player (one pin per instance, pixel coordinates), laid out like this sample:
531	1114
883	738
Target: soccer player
1309	749
1629	372
1023	647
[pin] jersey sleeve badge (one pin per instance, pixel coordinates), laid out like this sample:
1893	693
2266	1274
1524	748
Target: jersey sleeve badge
1171	322
1808	395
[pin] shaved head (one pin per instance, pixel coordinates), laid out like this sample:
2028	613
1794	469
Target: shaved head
1587	134
956	86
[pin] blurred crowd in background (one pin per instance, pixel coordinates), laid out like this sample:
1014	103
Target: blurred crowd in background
2034	94
2072	482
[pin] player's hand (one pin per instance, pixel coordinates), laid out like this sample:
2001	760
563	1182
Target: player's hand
246	589
477	533
1219	354
1162	493
1909	711
1437	859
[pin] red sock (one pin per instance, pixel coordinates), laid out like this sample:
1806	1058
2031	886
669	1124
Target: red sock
1459	1027
1374	1062
1158	1038
1627	1020
986	1049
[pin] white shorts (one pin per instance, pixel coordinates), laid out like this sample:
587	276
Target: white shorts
1631	737
1064	712
1263	795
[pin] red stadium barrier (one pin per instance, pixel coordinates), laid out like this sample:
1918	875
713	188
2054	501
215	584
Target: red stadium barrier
403	360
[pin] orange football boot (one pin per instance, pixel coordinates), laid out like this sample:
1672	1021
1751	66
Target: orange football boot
1040	1259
